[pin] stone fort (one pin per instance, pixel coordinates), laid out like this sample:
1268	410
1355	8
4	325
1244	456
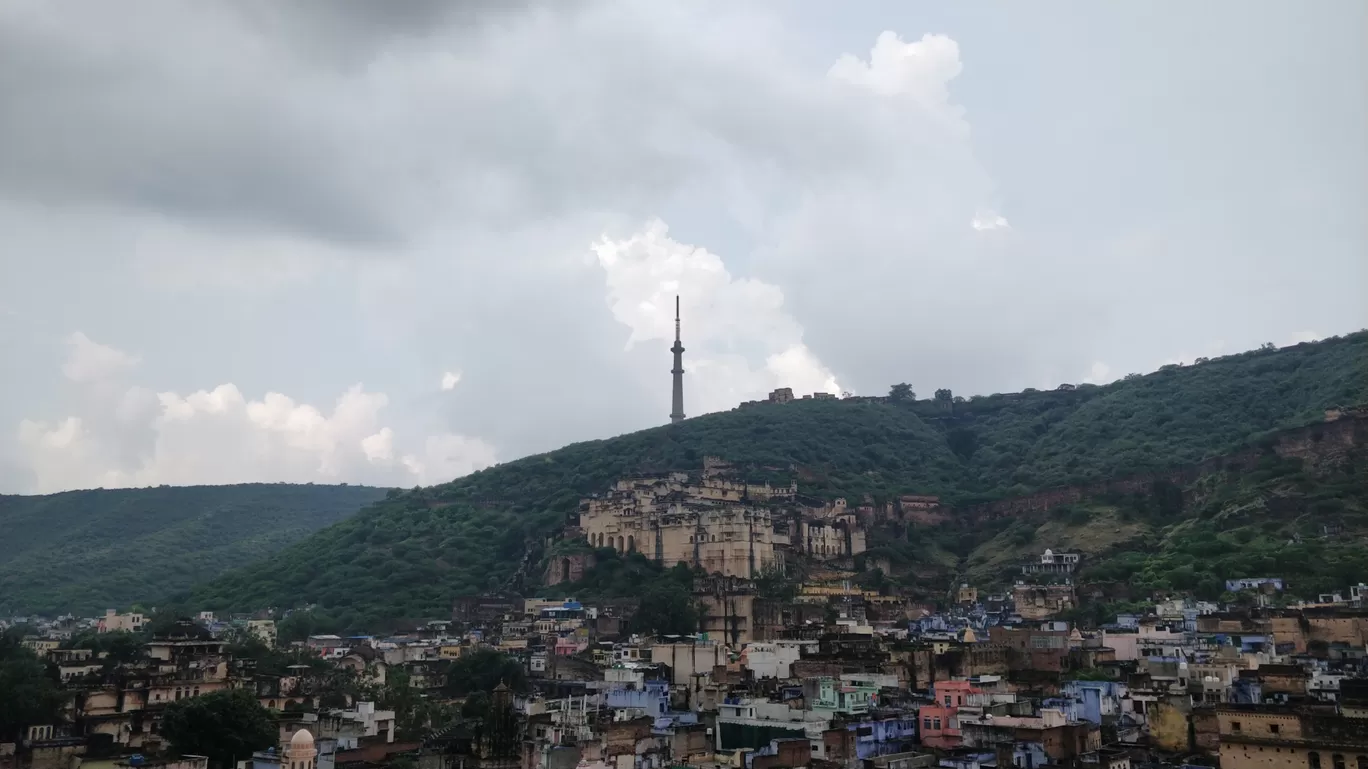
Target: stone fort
718	522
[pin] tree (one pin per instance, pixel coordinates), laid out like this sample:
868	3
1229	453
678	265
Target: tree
27	694
119	646
773	584
875	579
476	705
944	397
226	726
299	625
963	442
666	609
483	669
901	392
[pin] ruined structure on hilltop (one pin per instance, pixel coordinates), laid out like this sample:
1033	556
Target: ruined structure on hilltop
717	522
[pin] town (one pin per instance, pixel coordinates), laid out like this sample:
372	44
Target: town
830	674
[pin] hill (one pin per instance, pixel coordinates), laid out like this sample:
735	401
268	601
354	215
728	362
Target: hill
1294	507
409	555
85	551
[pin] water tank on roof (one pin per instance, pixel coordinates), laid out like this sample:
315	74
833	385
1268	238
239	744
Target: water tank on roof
136	760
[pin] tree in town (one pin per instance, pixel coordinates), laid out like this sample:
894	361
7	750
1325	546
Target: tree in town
483	669
666	609
901	392
227	726
28	695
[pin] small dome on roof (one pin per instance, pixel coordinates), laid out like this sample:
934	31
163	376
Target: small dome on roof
302	739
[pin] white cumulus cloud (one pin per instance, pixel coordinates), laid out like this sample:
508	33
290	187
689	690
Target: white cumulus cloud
739	340
450	379
220	436
88	360
988	220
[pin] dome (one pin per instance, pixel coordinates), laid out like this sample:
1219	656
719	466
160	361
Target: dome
302	739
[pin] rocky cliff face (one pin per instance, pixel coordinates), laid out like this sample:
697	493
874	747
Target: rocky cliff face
1320	443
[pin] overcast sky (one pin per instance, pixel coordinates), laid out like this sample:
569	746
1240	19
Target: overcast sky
394	242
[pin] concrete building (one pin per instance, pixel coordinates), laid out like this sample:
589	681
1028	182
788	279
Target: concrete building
1053	563
113	621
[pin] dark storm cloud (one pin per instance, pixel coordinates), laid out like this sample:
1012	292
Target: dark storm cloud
155	119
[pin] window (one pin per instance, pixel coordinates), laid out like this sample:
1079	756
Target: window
1313	760
936	722
1234	726
947	700
1272	728
1363	762
1338	760
926	724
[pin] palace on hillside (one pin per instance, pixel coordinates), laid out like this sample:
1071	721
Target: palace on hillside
718	522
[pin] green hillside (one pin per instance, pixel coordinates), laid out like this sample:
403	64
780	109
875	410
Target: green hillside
86	551
1306	524
409	555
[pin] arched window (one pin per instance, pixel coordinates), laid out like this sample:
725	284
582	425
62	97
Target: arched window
622	545
1313	760
1363	762
631	543
1337	760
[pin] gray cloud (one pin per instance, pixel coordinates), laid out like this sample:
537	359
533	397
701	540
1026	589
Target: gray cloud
253	198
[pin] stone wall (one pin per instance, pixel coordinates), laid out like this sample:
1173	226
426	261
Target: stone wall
568	568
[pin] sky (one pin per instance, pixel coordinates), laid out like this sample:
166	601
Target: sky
393	243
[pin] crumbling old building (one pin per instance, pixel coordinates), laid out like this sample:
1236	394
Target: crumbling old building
717	522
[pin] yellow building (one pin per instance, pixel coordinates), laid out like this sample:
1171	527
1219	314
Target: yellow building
1277	737
717	523
263	630
709	524
40	646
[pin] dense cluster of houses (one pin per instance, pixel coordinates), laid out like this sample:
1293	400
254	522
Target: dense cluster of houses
974	686
970	687
115	705
855	683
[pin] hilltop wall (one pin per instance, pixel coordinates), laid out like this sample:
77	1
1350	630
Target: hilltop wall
1322	442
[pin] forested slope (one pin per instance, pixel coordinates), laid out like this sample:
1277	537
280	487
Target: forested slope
85	551
408	556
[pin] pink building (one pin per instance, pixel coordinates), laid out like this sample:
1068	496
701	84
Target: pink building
567	645
939	723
